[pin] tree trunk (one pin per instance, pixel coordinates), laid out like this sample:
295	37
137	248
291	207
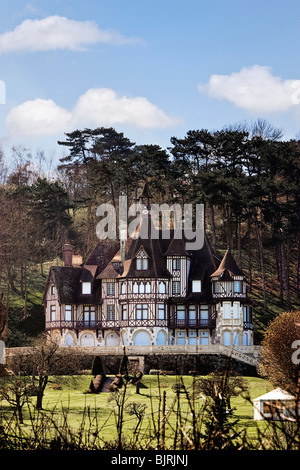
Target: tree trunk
284	271
261	257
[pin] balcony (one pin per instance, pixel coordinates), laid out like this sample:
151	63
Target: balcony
188	323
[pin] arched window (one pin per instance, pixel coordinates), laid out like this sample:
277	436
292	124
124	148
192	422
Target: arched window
245	339
142	339
135	288
162	287
236	339
227	338
123	288
161	339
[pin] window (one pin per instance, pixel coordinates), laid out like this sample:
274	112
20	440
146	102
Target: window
110	312
226	311
52	313
204	338
162	287
196	286
135	288
124	312
180	338
89	315
161	311
148	287
180	312
227	338
192	338
123	288
161	339
248	314
217	288
192	314
236	310
204	315
237	287
86	287
236	338
176	264
141	311
110	288
176	287
68	312
142	264
52	290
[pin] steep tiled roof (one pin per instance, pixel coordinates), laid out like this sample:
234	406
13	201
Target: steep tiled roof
229	265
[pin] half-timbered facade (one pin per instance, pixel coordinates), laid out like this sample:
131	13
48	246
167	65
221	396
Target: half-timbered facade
160	294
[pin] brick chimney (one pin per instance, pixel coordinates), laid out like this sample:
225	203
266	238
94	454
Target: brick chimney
68	254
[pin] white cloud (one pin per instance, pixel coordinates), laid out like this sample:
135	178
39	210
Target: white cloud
57	32
95	108
102	106
254	89
37	117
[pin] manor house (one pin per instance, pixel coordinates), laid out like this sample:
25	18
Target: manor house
157	293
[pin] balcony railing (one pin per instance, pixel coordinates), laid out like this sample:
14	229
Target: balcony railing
188	323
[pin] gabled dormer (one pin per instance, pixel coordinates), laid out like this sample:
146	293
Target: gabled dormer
228	281
141	260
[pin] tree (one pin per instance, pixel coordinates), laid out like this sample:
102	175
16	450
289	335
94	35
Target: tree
219	388
16	393
47	359
279	362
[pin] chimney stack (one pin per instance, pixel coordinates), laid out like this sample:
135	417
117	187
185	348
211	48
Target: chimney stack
68	254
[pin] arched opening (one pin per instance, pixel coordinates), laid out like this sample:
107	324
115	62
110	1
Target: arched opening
161	338
227	338
112	339
142	339
87	340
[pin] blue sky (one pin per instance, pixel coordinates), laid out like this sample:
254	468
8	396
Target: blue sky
152	70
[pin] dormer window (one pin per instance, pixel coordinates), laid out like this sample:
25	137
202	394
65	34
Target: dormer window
141	261
196	286
86	287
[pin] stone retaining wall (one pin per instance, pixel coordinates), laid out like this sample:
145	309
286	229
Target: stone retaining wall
171	359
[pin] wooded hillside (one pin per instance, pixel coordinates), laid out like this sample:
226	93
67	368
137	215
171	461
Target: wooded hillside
248	180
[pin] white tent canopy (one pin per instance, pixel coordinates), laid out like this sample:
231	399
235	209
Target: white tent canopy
277	404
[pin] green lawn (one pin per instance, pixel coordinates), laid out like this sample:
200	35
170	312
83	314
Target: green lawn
68	407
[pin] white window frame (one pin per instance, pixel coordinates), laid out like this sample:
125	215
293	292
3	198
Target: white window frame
176	264
161	287
204	338
227	310
110	288
110	313
86	288
180	312
161	311
68	312
52	312
142	311
176	287
124	310
196	286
